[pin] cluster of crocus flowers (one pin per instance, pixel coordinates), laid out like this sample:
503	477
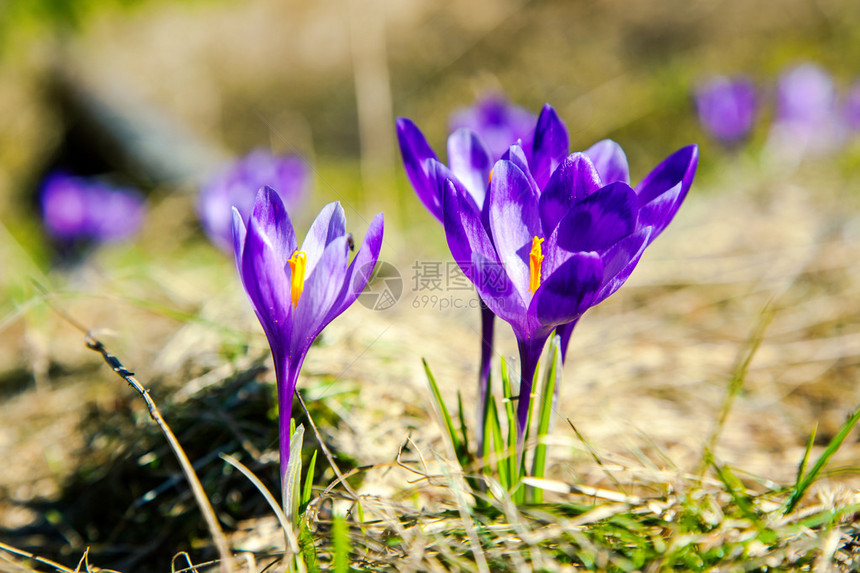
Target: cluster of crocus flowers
297	291
237	186
809	116
84	209
544	234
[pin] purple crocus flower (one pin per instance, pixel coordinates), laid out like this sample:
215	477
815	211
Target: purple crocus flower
470	169
498	123
727	108
480	135
237	186
85	209
296	292
541	254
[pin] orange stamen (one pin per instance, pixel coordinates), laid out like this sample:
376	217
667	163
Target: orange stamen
297	262
535	259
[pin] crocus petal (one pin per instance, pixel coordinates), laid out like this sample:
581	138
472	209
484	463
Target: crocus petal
470	162
517	156
665	188
550	146
569	291
272	220
475	254
599	220
266	282
620	260
575	179
416	151
514	220
319	296
238	237
361	268
610	161
329	224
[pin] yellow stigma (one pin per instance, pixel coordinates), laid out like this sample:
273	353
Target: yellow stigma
298	262
535	259
490	177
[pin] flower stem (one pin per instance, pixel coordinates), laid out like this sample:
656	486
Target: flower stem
487	323
287	374
565	331
530	351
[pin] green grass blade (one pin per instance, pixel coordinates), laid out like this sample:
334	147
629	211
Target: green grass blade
499	447
443	410
464	437
485	437
545	414
735	489
801	468
739	374
828	452
340	534
511	457
307	492
291	490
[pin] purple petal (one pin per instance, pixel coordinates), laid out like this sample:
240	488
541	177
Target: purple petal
517	156
272	220
475	254
514	221
470	162
551	145
599	220
329	225
320	294
361	268
416	152
665	188
620	260
266	283
569	291
574	180
238	238
610	161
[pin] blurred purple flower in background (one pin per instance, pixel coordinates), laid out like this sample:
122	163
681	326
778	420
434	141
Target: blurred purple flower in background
237	186
806	95
727	108
296	292
806	116
498	123
86	209
851	107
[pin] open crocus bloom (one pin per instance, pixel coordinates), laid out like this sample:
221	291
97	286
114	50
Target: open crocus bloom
295	291
238	184
470	161
541	254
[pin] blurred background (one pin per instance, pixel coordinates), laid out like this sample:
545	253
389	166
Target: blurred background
159	95
209	80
